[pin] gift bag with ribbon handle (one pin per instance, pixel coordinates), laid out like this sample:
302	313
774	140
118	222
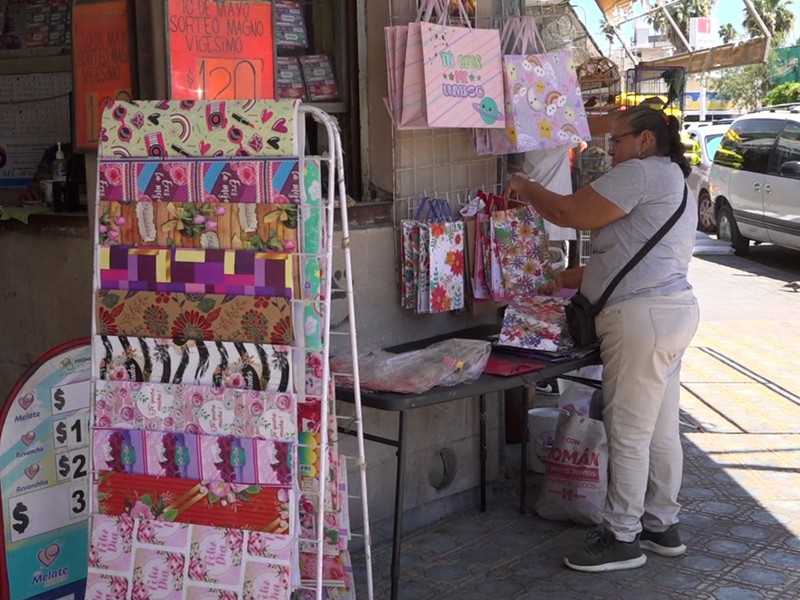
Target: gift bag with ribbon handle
410	113
546	107
463	74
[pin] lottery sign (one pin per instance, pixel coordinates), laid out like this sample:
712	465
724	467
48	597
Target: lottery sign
44	479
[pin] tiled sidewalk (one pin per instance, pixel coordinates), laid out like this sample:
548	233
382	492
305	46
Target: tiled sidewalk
741	489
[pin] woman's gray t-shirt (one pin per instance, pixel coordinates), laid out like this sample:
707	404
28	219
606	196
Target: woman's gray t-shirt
649	191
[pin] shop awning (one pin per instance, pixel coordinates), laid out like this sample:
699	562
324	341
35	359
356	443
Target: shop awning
738	54
735	54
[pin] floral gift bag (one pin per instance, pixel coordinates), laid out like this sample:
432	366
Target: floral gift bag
444	283
522	248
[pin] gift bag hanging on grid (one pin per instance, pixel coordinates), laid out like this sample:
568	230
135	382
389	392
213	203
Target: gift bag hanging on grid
487	276
463	74
432	254
409	110
543	106
523	251
544	103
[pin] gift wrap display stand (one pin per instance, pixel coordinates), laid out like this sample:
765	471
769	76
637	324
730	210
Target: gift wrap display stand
215	467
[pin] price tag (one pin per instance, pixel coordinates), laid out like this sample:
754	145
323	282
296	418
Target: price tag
47	509
71	432
79	501
228	78
69	397
72	465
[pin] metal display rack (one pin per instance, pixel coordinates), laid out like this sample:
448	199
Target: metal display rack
206	139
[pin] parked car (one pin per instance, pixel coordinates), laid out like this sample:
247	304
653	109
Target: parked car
708	138
755	178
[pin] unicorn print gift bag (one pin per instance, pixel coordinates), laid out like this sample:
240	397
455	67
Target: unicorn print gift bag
546	109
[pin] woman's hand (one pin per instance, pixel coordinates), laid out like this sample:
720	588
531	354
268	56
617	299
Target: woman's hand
516	188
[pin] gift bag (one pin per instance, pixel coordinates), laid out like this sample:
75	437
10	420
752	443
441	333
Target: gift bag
487	276
522	250
463	75
410	109
576	480
546	107
535	323
442	277
432	255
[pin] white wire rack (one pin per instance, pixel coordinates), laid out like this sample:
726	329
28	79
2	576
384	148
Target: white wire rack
336	189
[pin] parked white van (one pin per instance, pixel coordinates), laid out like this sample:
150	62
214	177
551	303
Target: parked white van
755	179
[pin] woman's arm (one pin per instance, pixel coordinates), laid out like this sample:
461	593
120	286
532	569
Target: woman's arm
585	209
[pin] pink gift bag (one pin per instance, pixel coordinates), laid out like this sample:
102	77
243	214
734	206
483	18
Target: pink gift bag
463	76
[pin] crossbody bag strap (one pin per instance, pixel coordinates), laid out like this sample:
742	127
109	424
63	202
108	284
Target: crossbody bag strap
642	251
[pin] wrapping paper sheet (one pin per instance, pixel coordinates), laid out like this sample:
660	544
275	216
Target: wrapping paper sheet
215	503
190	456
221	364
236	226
312	267
194	316
195	271
195	409
143	559
173	128
536	323
190	179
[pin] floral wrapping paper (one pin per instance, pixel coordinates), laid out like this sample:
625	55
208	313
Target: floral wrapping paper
181	128
263	227
215	503
221	364
523	252
143	559
190	456
194	316
194	271
195	409
536	323
239	180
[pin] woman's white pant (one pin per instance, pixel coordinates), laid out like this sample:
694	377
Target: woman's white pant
642	341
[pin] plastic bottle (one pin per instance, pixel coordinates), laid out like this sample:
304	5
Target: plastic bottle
60	165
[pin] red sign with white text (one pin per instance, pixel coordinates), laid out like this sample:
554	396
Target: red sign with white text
101	64
220	50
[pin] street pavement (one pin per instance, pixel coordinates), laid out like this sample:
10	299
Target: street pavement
740	407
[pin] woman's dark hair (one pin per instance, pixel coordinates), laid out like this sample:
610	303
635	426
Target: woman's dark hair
665	128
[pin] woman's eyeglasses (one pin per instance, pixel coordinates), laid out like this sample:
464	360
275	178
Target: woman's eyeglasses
614	139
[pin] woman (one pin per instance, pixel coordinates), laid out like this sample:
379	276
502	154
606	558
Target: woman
644	329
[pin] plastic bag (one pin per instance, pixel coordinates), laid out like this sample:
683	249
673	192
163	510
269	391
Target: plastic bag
576	481
447	363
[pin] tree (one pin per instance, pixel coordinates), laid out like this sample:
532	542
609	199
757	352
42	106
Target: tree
608	30
728	33
681	12
783	94
745	87
777	16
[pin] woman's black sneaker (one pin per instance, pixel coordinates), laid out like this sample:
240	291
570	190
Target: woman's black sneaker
606	553
665	543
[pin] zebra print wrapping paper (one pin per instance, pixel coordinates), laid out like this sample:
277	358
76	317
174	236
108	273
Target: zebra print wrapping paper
239	365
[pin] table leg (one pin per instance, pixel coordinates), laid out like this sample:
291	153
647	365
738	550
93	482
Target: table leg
484	451
399	490
527	400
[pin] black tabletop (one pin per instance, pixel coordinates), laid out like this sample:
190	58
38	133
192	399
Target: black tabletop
485	384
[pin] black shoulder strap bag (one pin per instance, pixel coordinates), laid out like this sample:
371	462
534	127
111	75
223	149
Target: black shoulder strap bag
581	312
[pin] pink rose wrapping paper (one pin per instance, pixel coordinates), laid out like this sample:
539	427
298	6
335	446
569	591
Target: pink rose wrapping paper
141	559
195	409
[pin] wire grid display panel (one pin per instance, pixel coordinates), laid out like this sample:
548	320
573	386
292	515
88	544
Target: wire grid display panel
440	162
